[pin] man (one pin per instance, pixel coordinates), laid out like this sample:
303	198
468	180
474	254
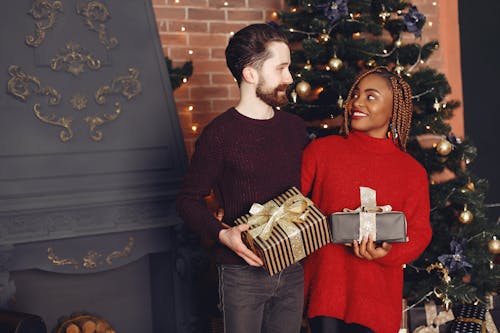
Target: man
250	153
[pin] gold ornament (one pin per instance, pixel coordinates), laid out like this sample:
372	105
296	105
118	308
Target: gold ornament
324	38
465	216
399	68
371	63
335	63
494	245
444	147
470	186
308	65
293	94
303	89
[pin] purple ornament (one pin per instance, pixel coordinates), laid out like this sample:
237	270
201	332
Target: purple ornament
414	21
456	260
334	10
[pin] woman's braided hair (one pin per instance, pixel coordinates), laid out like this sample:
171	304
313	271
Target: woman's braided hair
402	105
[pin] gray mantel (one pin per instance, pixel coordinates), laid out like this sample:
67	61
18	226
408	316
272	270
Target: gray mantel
95	204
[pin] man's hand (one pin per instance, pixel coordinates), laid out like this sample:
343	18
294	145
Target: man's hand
231	238
367	249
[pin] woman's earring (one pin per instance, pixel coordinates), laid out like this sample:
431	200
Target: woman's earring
392	132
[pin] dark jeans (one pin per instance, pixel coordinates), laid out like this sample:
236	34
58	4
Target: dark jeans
333	325
253	302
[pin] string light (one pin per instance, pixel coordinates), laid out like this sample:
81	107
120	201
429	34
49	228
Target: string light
434	3
231	33
194	128
325	126
294	10
190	51
177	1
184	80
190	108
183	28
274	15
430	24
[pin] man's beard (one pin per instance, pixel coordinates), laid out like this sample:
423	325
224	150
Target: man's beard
272	97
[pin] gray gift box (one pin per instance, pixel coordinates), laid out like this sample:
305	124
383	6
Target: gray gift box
380	222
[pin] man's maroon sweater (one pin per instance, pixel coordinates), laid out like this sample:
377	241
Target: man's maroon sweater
243	160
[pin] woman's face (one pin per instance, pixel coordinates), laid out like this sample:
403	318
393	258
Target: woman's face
372	106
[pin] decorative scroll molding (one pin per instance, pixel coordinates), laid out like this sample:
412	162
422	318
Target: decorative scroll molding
96	14
65	122
93	258
79	102
73	59
97	121
44	12
128	86
22	86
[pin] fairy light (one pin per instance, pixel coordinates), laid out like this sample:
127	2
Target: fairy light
430	24
356	35
324	126
291	30
183	28
177	1
190	51
274	15
194	128
231	33
184	80
434	3
190	108
294	10
226	3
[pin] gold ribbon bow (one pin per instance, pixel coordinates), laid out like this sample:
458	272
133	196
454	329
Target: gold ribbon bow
367	213
266	216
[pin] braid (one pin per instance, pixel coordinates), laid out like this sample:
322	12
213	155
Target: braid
402	107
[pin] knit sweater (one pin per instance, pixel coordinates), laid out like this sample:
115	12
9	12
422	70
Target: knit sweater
244	161
337	283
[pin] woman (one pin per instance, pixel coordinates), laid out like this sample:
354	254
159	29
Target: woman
358	287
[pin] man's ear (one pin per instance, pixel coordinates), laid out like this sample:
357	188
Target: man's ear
250	74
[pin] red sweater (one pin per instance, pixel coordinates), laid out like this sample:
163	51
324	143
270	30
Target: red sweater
337	283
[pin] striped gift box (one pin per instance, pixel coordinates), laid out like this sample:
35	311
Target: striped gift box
280	251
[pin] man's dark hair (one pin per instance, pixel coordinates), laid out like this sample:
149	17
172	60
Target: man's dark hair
248	47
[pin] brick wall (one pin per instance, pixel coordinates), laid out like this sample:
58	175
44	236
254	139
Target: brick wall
199	30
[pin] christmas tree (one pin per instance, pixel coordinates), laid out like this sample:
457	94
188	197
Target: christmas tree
179	75
331	42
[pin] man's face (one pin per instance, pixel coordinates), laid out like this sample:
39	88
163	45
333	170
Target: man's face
274	76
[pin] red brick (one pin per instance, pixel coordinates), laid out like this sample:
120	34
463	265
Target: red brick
199	79
234	91
223	79
198	106
179	53
208	92
224	104
245	15
175	26
170	13
173	39
181	93
274	4
158	2
191	3
198	40
211	66
230	3
225	28
162	26
206	14
202	119
218	53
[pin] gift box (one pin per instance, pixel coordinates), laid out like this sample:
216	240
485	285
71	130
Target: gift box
284	230
469	318
429	318
379	222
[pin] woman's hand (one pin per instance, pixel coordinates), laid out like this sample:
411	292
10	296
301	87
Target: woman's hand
368	250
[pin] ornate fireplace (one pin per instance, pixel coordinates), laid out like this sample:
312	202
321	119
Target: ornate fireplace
92	156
